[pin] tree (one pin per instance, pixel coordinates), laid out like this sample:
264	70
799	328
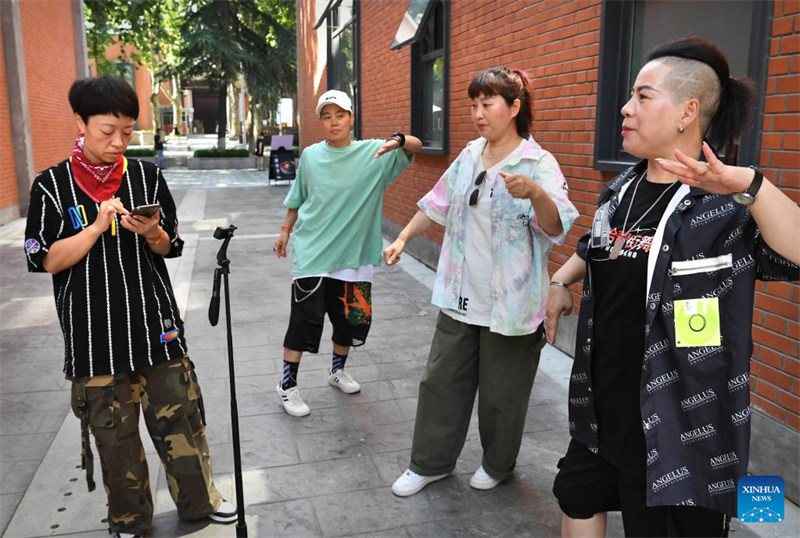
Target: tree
148	31
224	38
217	41
275	74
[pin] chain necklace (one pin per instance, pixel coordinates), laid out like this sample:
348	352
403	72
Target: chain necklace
621	238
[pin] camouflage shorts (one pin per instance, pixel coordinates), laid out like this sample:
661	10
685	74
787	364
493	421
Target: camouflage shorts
169	397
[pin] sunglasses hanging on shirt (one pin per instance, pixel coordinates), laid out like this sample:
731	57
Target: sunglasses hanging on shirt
473	198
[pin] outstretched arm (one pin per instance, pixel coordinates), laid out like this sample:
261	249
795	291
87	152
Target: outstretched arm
777	216
418	224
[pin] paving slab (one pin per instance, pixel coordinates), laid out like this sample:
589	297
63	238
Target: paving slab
328	474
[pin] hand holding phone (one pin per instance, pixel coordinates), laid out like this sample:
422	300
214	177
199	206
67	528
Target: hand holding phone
146	210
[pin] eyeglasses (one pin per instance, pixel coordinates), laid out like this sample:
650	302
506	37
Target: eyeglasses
473	198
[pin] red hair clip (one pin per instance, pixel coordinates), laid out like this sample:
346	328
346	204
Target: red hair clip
522	75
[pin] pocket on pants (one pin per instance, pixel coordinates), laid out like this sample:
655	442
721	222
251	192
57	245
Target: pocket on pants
193	387
95	403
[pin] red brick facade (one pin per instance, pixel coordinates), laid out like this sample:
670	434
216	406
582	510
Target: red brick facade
50	68
557	43
311	74
776	367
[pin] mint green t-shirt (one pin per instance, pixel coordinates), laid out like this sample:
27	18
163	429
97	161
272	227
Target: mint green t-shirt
338	193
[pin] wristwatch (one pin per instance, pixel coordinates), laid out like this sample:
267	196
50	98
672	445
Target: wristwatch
747	197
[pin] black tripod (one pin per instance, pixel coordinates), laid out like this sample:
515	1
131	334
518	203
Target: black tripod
213	318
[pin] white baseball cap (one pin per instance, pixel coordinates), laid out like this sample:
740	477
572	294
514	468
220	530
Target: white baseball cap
334	97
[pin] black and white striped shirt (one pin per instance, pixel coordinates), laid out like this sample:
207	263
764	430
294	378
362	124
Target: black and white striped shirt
116	306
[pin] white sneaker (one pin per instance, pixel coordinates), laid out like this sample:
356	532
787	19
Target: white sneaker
410	483
342	381
482	480
292	403
226	513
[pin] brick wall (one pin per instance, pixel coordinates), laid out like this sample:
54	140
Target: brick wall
557	43
8	182
385	98
776	331
311	72
50	69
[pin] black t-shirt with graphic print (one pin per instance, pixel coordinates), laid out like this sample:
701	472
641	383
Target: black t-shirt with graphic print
620	288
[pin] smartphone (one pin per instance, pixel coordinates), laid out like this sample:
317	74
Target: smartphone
146	210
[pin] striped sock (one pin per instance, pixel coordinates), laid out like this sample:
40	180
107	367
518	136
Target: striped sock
289	375
338	362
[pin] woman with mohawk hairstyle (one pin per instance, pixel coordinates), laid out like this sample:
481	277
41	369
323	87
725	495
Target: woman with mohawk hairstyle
659	394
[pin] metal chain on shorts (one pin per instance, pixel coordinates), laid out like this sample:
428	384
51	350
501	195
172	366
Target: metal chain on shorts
307	292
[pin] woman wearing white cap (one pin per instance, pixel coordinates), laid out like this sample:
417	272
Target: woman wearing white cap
335	207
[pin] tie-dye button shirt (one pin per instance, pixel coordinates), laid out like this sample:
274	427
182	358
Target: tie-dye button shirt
519	246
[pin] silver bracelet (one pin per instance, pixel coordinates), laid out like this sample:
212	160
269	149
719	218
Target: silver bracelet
559	283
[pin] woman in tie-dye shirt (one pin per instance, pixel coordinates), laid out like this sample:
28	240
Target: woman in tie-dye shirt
504	205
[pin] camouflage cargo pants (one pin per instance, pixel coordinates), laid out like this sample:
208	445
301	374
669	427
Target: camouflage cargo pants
171	402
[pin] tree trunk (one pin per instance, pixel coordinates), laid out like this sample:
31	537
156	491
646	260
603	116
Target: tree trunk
222	117
154	91
233	119
255	125
177	104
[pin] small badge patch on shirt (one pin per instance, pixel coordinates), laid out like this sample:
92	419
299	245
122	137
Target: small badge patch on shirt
32	246
77	215
697	323
169	336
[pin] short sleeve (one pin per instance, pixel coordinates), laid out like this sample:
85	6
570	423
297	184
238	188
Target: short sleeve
45	223
771	266
436	203
298	192
548	174
395	162
169	217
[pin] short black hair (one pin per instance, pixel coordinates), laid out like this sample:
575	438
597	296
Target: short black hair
103	95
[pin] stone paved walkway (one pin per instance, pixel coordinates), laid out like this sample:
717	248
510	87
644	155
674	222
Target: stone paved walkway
328	474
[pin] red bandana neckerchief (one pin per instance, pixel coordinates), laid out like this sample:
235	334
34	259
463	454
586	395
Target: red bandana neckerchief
99	181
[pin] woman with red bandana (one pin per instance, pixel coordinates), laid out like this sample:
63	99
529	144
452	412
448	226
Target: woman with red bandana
125	352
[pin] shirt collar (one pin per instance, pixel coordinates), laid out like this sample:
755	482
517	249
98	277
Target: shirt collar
633	172
530	150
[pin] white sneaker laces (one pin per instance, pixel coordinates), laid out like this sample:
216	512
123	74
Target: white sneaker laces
294	397
345	376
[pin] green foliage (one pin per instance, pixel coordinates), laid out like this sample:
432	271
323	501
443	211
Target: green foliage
210	42
140	152
147	30
222	38
222	153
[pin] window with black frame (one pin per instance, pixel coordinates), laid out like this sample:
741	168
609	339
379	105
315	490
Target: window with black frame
343	53
631	28
425	25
